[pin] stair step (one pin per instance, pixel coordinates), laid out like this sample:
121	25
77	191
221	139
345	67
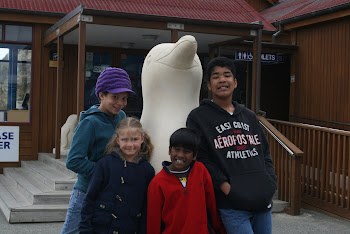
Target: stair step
64	185
58	164
10	197
52	198
33	180
35	191
39	191
48	175
18	197
39	213
279	206
23	185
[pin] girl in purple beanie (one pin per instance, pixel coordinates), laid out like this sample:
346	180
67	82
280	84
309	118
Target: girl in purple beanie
96	126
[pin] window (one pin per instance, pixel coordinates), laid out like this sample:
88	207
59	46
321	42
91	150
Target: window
132	64
18	33
96	62
15	73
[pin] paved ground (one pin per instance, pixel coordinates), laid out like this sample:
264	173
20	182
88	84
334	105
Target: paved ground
311	222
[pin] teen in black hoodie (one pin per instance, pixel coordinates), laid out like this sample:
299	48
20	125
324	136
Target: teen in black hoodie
236	153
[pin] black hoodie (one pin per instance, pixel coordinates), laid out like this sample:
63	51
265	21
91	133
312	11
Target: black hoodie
234	148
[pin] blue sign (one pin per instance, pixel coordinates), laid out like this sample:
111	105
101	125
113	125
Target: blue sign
248	56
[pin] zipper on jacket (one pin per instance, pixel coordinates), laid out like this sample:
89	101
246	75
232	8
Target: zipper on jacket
185	190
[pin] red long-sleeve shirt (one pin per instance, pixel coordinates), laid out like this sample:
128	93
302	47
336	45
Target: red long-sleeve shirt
174	209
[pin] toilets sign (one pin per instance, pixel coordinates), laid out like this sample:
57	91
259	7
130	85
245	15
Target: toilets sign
248	56
9	143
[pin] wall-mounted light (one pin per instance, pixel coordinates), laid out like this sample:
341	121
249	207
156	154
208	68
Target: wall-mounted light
149	37
127	45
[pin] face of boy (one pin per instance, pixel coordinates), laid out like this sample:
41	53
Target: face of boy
222	83
112	103
130	140
181	158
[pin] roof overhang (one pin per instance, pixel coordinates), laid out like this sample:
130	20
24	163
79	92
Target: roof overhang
27	16
110	28
323	15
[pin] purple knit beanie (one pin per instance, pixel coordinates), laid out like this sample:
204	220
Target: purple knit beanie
113	80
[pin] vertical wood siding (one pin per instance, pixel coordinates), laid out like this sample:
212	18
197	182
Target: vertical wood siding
48	95
28	138
323	74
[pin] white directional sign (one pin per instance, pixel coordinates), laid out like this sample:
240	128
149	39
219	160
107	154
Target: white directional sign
9	143
248	56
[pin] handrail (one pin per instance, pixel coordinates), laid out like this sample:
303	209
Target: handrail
294	183
318	120
285	143
314	127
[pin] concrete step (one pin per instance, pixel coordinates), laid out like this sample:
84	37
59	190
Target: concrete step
49	176
22	184
39	191
58	164
34	190
10	197
278	205
38	213
52	198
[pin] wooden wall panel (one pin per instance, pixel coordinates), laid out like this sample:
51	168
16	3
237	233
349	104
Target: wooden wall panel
323	74
48	92
28	138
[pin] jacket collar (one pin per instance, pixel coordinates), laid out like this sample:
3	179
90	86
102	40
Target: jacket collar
165	165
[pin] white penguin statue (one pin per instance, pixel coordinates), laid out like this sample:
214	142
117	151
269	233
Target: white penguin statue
171	80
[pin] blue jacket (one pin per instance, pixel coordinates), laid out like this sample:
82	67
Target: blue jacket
91	136
117	196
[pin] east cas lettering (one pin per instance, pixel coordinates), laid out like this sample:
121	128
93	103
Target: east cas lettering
222	127
4	145
6	136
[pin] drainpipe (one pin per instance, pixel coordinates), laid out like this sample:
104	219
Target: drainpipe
280	29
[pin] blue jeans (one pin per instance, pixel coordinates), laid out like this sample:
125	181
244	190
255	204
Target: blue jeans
245	222
71	225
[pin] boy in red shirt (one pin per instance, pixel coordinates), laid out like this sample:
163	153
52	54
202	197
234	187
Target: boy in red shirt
181	196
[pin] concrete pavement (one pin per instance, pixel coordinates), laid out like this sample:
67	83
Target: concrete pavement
311	222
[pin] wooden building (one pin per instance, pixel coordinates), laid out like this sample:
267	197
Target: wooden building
320	68
52	52
113	35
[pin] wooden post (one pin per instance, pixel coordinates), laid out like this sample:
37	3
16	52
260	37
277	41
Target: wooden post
59	97
211	53
35	94
256	73
81	67
174	35
258	70
293	65
295	187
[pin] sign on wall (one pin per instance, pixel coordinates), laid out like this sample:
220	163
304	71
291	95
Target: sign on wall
9	143
248	56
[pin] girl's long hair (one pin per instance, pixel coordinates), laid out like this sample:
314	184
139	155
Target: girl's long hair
130	122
